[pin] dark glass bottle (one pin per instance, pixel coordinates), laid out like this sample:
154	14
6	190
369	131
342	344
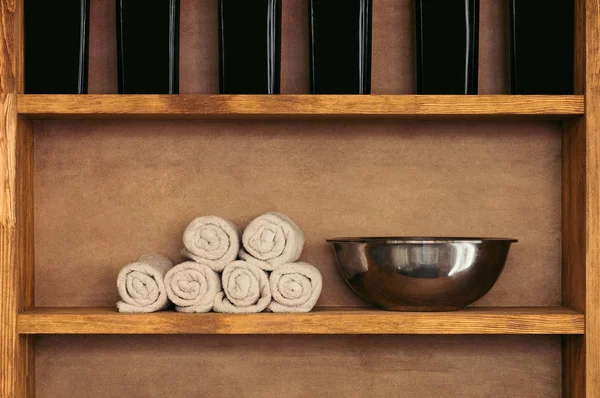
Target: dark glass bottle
447	46
542	46
56	46
340	46
249	46
148	46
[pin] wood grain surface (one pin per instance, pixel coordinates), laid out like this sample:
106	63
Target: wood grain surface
298	366
16	211
297	106
592	188
99	206
574	249
24	261
492	320
581	204
10	343
137	184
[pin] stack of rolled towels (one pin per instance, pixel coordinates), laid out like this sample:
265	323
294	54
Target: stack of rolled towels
226	271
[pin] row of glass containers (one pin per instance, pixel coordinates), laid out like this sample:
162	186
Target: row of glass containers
447	33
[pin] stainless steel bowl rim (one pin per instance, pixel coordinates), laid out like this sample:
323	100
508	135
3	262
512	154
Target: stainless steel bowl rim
417	240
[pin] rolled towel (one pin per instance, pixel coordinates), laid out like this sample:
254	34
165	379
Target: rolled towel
245	289
295	287
274	239
141	284
192	287
212	241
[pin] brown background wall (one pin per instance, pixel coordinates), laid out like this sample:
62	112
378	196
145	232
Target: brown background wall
107	191
298	366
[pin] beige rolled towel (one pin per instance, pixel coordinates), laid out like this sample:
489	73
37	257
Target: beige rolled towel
141	284
274	239
295	287
245	289
212	241
192	287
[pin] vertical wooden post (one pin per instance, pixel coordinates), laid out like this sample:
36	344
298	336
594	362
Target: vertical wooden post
573	248
581	210
592	188
16	211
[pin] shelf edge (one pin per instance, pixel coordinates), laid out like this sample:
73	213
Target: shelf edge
297	106
491	320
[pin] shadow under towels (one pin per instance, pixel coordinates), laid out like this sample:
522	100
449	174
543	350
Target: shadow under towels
141	284
245	289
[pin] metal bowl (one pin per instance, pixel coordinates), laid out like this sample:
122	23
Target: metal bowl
421	274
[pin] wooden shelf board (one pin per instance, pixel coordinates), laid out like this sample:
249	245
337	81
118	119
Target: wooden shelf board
473	320
298	106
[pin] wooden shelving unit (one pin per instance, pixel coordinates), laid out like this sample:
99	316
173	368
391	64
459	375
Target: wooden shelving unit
491	320
299	106
576	320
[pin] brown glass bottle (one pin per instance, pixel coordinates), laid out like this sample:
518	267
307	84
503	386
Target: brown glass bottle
542	46
340	46
249	46
56	46
447	46
148	46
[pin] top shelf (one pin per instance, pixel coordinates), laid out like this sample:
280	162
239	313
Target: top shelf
112	106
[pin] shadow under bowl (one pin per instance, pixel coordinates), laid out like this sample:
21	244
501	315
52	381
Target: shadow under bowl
421	273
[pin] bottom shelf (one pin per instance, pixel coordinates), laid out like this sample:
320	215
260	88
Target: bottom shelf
473	320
